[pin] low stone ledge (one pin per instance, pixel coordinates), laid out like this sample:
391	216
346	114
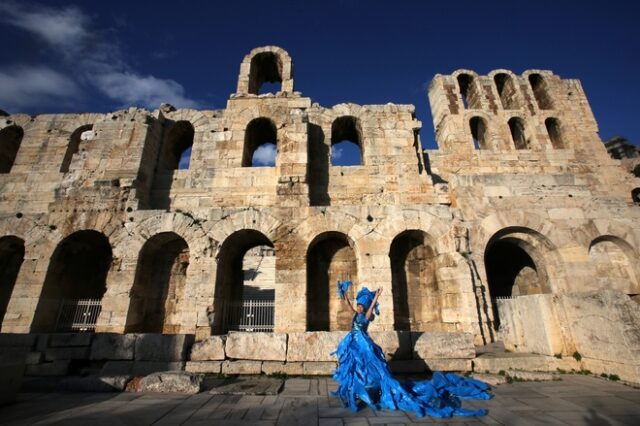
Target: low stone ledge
10	379
33	358
437	345
408	366
209	349
94	383
532	375
159	347
257	346
206	367
490	363
113	346
320	368
138	368
288	368
57	340
396	345
172	381
54	354
17	340
55	368
451	364
313	345
241	367
490	379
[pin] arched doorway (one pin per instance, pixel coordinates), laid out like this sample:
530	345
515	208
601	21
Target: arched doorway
159	285
240	301
11	258
74	284
330	258
416	299
615	264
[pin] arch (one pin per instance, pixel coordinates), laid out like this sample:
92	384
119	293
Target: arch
478	127
516	264
176	147
11	258
330	257
74	145
77	270
616	264
346	135
540	91
554	129
268	64
416	298
159	284
261	134
507	91
229	286
465	82
518	133
266	67
10	140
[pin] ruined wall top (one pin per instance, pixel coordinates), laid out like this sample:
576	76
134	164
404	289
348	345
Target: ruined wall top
268	64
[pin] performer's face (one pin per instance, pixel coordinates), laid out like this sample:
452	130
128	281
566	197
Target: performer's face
360	309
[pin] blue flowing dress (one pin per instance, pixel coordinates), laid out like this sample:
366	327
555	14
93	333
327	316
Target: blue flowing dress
363	374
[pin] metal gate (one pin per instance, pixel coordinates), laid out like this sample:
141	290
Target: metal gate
78	315
249	315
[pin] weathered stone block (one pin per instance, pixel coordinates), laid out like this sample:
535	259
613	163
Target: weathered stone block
172	381
15	339
54	354
116	368
408	366
55	368
288	368
313	345
209	349
321	368
159	347
257	346
433	345
34	358
206	367
112	346
70	339
395	345
450	364
241	367
490	379
142	368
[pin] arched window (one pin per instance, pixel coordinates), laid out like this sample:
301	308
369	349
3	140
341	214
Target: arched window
478	132
10	139
73	146
555	132
635	196
539	87
346	142
507	91
11	258
176	148
518	134
465	84
266	67
260	143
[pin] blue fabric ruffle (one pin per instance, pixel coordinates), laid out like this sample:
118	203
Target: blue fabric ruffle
363	374
343	286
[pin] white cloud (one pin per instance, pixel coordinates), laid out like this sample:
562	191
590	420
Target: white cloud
149	91
71	33
24	87
336	152
265	155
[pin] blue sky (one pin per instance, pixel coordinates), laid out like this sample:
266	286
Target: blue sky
96	56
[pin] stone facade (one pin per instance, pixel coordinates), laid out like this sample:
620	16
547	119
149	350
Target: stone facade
521	198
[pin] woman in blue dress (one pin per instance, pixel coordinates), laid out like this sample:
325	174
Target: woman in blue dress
364	375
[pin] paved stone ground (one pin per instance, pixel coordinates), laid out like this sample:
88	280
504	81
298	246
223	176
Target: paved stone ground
576	400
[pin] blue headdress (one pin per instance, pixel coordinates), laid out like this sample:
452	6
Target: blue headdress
365	298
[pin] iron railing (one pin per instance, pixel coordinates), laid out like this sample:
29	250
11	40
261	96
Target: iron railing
78	315
249	315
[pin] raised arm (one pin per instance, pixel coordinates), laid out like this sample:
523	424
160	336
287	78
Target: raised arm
347	302
373	304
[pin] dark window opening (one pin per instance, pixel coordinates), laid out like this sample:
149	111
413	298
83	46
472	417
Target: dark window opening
518	134
478	132
260	143
346	142
635	196
266	67
555	132
330	258
540	92
159	285
73	146
176	149
10	140
11	258
507	91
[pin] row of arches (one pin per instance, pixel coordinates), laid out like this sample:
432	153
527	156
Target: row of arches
507	89
517	261
520	136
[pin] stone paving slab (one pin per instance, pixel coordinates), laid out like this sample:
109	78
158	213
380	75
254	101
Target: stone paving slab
576	400
247	386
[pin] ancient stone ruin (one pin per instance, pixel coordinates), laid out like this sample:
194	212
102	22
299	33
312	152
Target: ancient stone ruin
154	238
